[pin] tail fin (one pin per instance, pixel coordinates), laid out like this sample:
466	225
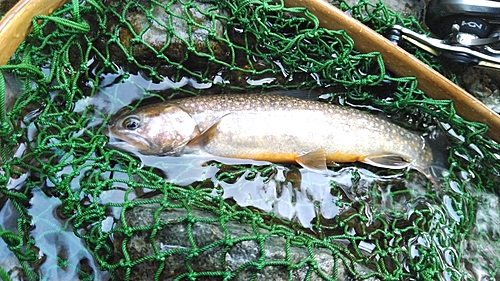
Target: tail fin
438	169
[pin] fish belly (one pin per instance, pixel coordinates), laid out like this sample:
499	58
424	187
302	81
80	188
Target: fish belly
282	135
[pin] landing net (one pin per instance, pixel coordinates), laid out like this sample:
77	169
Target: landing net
74	208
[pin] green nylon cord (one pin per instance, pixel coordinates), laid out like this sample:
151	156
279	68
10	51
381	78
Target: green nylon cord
4	276
4	130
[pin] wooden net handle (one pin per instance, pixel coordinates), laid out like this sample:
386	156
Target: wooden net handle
16	24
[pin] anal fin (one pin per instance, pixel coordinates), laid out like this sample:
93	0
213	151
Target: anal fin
389	161
314	160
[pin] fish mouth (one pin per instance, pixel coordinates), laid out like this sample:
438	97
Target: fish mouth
120	145
123	143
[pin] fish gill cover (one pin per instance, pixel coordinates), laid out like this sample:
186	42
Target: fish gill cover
74	208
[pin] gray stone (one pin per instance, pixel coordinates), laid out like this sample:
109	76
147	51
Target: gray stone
228	249
190	25
406	8
174	33
482	83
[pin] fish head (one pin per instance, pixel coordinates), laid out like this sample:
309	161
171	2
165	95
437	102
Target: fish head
156	129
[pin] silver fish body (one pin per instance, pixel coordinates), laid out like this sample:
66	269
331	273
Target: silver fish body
267	127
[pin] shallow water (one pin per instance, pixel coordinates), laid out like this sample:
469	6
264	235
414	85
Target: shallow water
304	198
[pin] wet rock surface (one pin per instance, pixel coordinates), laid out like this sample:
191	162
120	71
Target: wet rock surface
229	248
176	33
482	83
406	8
189	24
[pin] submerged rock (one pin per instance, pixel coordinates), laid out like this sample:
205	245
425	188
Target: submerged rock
198	242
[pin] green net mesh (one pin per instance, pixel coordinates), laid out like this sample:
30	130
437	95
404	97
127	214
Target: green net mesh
74	208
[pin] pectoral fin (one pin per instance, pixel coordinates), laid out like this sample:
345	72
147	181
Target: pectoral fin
204	137
314	160
389	161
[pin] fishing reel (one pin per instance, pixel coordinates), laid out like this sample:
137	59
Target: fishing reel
468	32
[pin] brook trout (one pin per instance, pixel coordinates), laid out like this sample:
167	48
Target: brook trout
273	128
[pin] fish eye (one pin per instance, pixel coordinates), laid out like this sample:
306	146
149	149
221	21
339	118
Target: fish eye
132	123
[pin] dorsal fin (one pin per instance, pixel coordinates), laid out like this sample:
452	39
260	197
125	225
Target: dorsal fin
314	160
